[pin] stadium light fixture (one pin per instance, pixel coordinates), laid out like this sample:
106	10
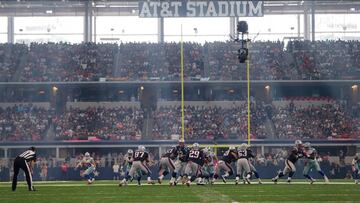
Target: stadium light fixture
354	87
142	88
49	11
121	91
352	9
55	89
267	87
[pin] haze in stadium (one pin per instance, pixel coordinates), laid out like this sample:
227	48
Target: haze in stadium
179	101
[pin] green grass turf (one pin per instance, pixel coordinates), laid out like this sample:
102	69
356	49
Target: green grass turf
108	191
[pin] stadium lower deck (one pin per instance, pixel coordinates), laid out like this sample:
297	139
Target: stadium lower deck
108	191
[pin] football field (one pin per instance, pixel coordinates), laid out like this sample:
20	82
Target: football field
108	191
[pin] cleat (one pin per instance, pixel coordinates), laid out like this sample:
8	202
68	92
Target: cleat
289	181
274	180
247	180
201	183
259	182
151	182
188	183
312	181
326	179
159	180
223	179
236	182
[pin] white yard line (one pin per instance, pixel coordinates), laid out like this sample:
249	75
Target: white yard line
99	184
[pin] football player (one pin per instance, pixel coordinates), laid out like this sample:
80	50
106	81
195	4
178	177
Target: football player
167	163
224	164
128	160
140	163
242	164
89	163
295	154
181	152
208	169
355	165
311	163
252	168
195	163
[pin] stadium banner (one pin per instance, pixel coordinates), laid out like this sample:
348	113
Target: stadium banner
157	9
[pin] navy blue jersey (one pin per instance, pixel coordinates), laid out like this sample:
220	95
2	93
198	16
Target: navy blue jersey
295	154
229	156
245	154
182	152
196	156
171	153
141	156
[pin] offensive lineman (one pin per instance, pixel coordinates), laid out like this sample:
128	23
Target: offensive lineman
242	164
295	154
355	165
25	161
195	163
224	164
167	163
311	163
89	163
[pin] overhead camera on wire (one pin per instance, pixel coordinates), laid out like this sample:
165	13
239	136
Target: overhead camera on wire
243	52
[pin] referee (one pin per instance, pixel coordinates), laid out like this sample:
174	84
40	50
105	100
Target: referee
25	162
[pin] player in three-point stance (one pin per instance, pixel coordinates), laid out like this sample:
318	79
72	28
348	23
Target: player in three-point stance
295	154
140	163
355	166
195	163
89	163
224	164
242	164
311	163
181	152
167	163
25	161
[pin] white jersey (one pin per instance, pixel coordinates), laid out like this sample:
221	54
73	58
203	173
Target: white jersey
116	168
87	162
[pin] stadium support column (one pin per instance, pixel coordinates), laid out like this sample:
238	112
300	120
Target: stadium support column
88	21
313	21
10	29
233	21
57	153
161	30
6	152
306	24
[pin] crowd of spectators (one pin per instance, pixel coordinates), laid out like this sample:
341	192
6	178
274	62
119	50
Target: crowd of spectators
330	121
24	123
209	122
99	123
296	60
326	121
154	61
69	62
10	55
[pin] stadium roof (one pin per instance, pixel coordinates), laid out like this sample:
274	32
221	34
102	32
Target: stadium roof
117	7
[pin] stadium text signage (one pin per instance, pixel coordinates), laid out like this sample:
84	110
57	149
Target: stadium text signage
156	9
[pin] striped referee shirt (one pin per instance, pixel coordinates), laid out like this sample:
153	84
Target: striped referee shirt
28	155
